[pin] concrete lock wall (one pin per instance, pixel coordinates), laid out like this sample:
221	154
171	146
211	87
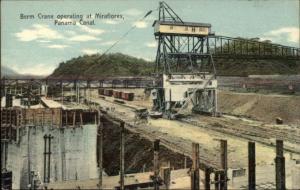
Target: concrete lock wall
73	154
296	177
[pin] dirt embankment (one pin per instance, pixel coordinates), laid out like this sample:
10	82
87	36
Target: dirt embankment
261	107
138	152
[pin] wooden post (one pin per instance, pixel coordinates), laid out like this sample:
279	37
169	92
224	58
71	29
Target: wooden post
81	121
74	118
5	153
62	92
100	148
207	179
251	166
280	166
195	174
29	91
43	118
217	180
122	154
166	176
156	164
66	117
223	176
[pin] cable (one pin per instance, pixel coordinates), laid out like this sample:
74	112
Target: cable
123	36
126	33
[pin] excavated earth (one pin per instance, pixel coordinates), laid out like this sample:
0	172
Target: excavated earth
138	152
256	106
261	107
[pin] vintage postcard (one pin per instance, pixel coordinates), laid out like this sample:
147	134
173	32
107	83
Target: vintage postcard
140	94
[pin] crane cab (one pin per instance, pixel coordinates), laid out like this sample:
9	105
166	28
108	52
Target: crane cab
181	28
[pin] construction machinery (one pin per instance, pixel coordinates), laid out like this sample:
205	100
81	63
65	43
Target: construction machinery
185	71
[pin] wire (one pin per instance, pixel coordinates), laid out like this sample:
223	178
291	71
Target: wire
126	33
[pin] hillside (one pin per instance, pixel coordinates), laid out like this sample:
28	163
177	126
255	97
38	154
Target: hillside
108	65
12	74
118	64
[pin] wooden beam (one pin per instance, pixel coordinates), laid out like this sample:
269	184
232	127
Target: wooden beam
251	166
223	176
156	164
100	147
207	179
195	174
280	166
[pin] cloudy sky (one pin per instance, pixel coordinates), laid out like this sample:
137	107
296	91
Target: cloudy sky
37	46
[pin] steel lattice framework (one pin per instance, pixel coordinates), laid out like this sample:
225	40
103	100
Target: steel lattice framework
180	52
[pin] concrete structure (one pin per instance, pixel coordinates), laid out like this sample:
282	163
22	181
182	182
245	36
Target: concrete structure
71	159
69	153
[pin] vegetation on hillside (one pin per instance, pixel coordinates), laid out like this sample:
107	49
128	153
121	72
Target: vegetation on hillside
118	64
244	67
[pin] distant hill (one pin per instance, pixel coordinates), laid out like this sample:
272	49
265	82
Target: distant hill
12	74
118	64
5	72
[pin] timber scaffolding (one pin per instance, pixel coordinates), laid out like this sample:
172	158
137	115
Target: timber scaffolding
12	119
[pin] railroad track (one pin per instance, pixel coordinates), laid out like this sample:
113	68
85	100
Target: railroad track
264	131
253	133
231	127
234	127
181	146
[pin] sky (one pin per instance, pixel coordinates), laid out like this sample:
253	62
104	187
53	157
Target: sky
37	46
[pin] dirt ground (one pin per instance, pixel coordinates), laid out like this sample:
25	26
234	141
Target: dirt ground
178	135
254	106
261	107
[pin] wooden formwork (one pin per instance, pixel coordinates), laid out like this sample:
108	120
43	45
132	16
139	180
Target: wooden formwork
11	120
73	118
11	116
42	117
9	132
55	117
